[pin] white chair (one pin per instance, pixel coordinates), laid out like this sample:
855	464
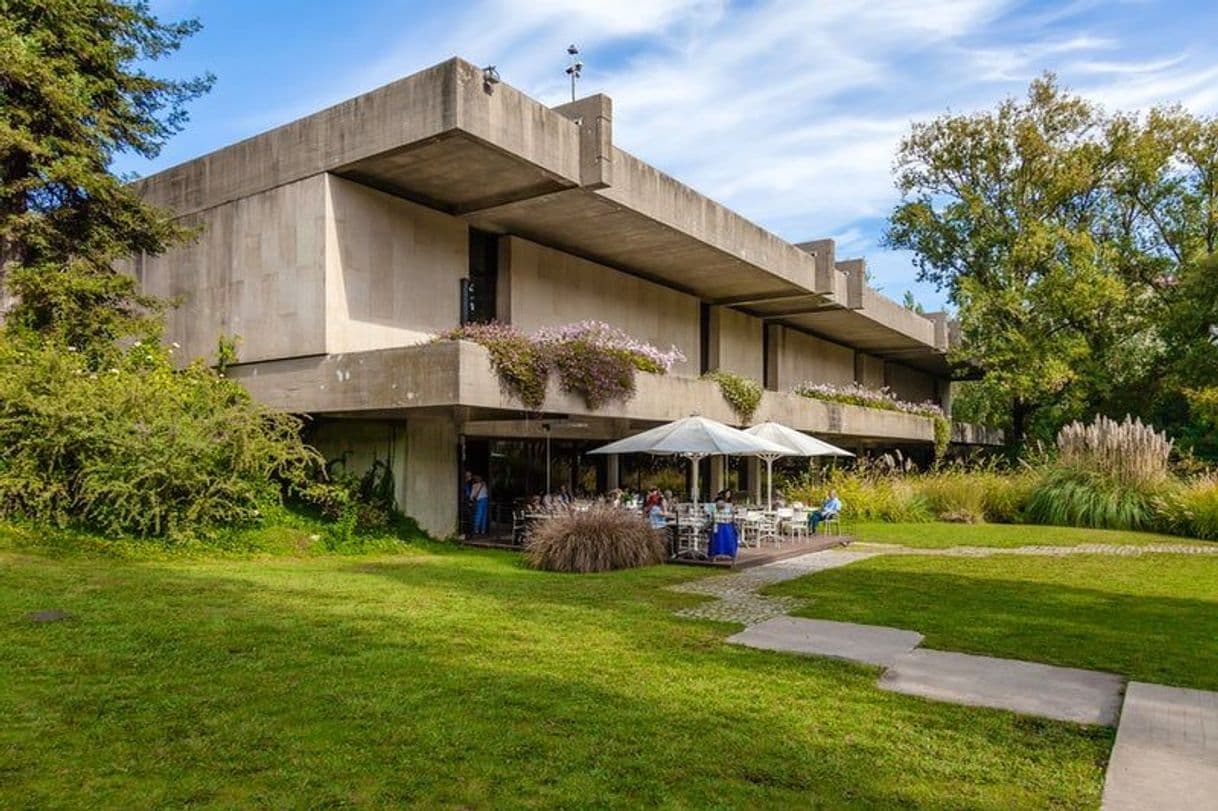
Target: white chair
798	526
749	527
784	515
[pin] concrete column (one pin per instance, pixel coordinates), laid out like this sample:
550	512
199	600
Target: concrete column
718	475
756	471
944	389
430	492
613	471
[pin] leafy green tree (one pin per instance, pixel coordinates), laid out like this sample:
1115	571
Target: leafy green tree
73	95
1059	233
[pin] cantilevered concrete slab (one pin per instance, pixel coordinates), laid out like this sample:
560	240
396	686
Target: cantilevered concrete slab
486	152
1166	753
867	644
456	377
1062	693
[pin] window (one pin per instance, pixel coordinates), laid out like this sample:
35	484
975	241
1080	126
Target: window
704	337
478	290
767	364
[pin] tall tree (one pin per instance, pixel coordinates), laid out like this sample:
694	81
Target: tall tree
1058	232
73	95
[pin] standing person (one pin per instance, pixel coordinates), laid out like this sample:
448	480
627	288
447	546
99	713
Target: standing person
830	509
480	498
467	504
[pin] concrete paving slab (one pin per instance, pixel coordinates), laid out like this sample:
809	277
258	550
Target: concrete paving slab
1166	753
868	644
1062	693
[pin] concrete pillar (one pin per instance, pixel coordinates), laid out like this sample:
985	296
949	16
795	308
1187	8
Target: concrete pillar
756	471
613	472
718	474
430	491
944	388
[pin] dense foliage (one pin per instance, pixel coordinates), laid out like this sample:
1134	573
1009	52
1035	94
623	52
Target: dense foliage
599	539
1106	475
742	393
1073	243
73	95
593	360
138	447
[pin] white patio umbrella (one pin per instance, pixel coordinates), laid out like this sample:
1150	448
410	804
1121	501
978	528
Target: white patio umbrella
796	443
694	438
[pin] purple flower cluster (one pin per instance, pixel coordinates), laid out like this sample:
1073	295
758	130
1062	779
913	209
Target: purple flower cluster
854	394
593	359
646	357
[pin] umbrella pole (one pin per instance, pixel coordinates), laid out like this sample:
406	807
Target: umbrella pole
769	477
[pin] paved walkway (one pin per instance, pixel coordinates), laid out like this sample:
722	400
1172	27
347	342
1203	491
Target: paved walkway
1166	752
1120	550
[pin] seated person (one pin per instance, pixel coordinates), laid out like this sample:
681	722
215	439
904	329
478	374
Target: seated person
830	509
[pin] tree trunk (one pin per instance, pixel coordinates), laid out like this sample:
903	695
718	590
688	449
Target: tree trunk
1021	411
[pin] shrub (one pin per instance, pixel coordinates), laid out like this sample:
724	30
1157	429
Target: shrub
1005	495
1129	452
519	366
599	539
952	495
1085	498
137	448
593	359
866	496
1190	509
742	393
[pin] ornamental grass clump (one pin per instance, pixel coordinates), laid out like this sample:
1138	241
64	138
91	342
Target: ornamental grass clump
1129	452
1191	508
599	539
1107	475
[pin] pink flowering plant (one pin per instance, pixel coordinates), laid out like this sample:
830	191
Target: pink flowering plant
854	394
593	359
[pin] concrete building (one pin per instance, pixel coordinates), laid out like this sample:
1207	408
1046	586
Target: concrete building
335	247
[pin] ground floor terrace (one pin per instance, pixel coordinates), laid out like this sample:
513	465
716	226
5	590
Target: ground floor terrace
432	413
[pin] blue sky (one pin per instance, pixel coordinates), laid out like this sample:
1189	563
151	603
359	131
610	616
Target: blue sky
788	111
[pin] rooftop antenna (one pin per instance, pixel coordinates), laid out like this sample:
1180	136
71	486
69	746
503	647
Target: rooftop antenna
575	68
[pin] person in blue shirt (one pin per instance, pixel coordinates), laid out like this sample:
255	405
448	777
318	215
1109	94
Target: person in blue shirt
830	509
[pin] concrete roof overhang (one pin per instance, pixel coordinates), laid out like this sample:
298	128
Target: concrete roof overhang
446	138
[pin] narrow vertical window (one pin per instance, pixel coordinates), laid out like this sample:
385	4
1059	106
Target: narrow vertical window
478	290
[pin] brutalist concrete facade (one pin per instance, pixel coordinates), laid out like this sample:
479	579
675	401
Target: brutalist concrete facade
336	247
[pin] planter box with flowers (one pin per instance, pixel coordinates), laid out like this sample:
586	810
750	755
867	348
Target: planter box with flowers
591	359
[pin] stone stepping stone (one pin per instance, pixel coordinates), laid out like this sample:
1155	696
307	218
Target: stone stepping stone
1061	693
1166	753
869	644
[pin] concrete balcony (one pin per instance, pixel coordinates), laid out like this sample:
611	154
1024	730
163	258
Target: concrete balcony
456	380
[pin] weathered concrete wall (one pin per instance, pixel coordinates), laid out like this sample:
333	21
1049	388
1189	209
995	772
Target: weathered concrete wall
550	288
869	371
257	271
431	485
910	384
738	339
802	357
360	443
393	269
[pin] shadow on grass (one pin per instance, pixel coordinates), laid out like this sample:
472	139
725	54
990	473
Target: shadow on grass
1148	637
322	683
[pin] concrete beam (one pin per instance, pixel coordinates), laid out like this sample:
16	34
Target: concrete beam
823	251
594	117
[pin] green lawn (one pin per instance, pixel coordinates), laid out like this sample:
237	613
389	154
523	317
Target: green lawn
1153	617
458	678
939	535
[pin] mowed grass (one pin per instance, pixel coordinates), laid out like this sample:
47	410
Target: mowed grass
1153	617
940	535
460	679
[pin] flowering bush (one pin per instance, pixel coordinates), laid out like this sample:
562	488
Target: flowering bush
593	359
854	394
520	367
